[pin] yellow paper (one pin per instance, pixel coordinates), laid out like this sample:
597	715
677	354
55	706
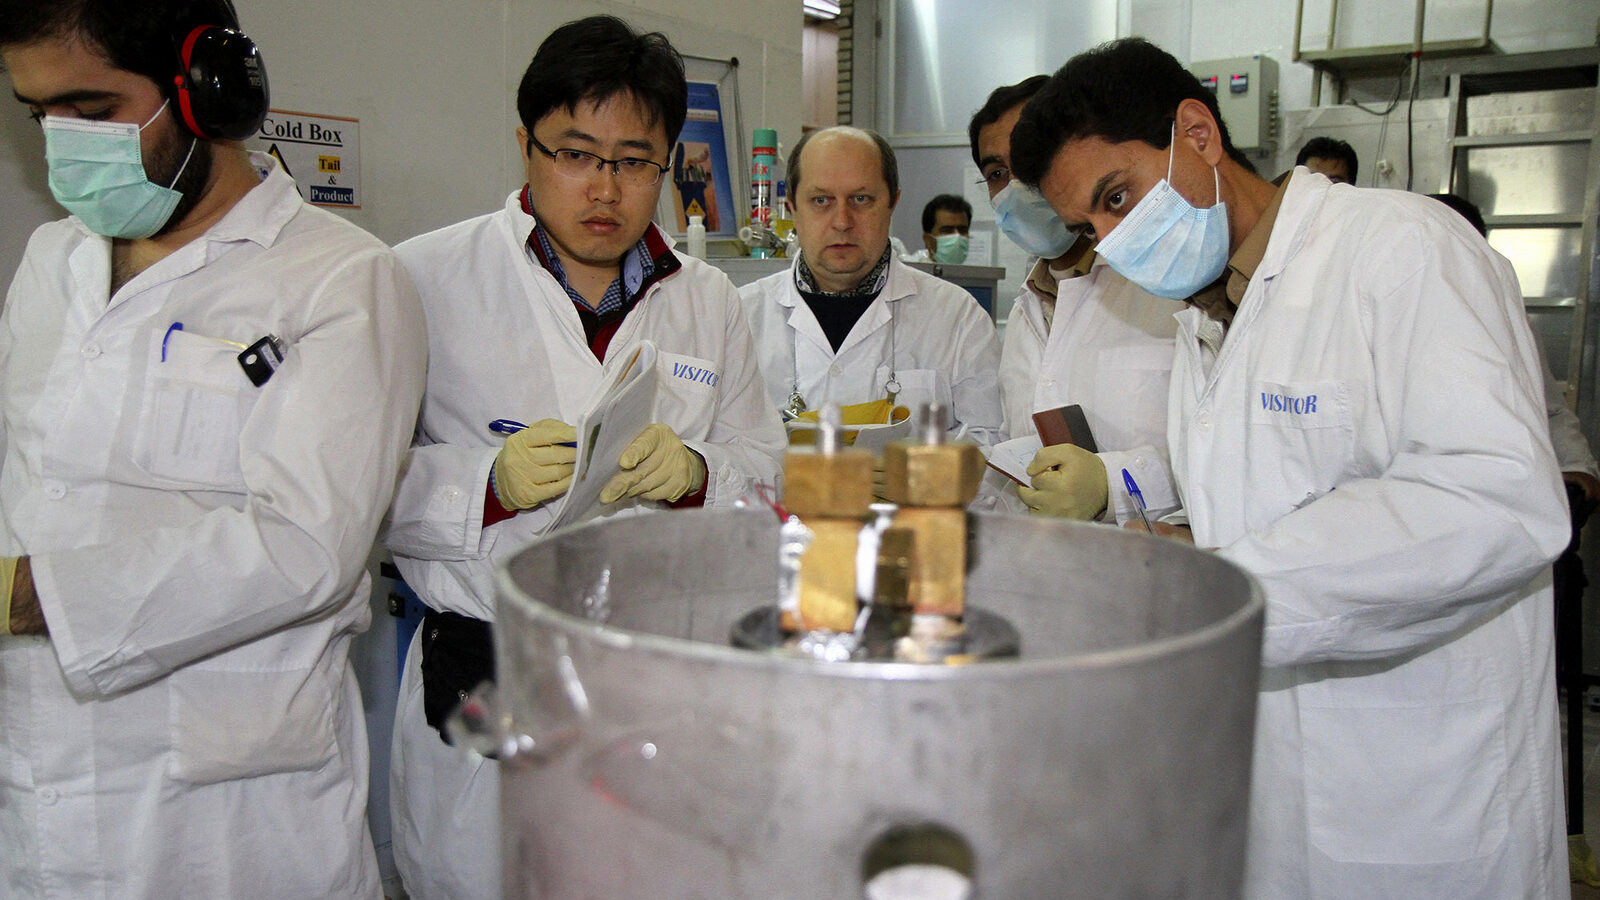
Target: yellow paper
873	412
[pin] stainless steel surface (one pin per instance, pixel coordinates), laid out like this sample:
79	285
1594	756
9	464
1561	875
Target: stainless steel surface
1111	759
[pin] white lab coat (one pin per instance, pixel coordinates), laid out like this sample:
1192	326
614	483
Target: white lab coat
192	727
506	342
1108	349
1370	443
1566	432
946	349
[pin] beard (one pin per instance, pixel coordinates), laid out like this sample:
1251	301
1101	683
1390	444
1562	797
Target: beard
167	167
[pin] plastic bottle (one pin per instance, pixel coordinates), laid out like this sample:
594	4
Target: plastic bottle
763	160
695	237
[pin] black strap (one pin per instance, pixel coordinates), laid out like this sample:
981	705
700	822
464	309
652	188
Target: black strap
457	656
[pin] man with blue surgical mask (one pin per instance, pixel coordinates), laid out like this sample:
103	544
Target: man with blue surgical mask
1079	333
1357	420
207	388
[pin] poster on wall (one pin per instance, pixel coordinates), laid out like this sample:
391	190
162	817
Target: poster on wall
700	182
321	153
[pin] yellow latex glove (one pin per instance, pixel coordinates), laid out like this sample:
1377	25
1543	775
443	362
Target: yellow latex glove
1069	482
656	466
533	466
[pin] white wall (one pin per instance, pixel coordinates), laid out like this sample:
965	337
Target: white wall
434	87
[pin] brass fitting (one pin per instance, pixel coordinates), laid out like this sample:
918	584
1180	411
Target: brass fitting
830	489
830	485
933	482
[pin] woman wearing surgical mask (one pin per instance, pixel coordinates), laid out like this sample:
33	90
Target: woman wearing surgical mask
1078	334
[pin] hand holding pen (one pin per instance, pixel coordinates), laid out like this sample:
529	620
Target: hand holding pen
1160	529
535	464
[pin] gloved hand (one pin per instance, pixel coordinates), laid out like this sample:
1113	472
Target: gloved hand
1069	482
533	466
656	466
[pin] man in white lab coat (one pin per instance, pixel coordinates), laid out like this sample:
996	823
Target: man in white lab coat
849	323
1079	333
206	388
527	308
1356	420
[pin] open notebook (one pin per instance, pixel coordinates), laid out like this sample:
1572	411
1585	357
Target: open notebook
622	407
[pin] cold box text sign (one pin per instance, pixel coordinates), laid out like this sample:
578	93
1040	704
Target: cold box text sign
321	153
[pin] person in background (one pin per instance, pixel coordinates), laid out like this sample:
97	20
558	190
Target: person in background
529	308
1359	426
1079	333
946	228
206	390
1331	157
847	323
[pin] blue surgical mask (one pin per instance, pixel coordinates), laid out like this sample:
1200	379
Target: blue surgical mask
1167	246
1027	219
97	173
951	248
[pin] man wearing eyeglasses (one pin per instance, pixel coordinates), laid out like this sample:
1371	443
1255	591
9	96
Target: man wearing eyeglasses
1080	334
527	309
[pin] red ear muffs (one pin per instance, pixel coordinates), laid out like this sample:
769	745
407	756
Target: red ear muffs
221	91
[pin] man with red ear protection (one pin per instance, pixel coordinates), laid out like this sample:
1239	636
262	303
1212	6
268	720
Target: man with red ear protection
206	388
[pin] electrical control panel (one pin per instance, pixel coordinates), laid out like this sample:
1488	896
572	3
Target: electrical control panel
1247	94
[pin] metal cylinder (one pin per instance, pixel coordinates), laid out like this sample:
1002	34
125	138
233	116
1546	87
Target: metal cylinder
1110	759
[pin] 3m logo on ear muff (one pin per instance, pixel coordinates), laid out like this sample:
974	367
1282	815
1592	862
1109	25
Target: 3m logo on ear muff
221	91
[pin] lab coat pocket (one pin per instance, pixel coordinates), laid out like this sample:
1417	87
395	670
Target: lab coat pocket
1407	765
917	386
242	724
1130	394
687	391
1301	441
193	409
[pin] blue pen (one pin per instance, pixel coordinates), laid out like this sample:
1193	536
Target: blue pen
1138	499
512	426
175	326
506	426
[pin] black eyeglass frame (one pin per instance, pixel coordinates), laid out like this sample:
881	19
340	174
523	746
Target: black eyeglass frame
600	162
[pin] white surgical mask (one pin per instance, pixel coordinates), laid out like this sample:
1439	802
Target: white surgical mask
1027	219
97	173
1167	246
951	248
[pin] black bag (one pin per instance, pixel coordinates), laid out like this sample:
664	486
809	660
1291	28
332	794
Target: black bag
457	655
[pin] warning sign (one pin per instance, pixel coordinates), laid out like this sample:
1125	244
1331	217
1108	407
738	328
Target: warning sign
321	153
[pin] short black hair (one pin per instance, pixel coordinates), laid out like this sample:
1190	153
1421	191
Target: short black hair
891	167
948	203
1460	204
999	103
1329	148
595	59
139	36
1124	90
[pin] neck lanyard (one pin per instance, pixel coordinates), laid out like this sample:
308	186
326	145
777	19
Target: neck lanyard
797	403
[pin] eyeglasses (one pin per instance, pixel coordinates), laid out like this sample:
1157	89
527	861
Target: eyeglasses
579	163
997	177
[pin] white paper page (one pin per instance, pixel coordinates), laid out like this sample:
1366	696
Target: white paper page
623	410
1011	457
868	437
